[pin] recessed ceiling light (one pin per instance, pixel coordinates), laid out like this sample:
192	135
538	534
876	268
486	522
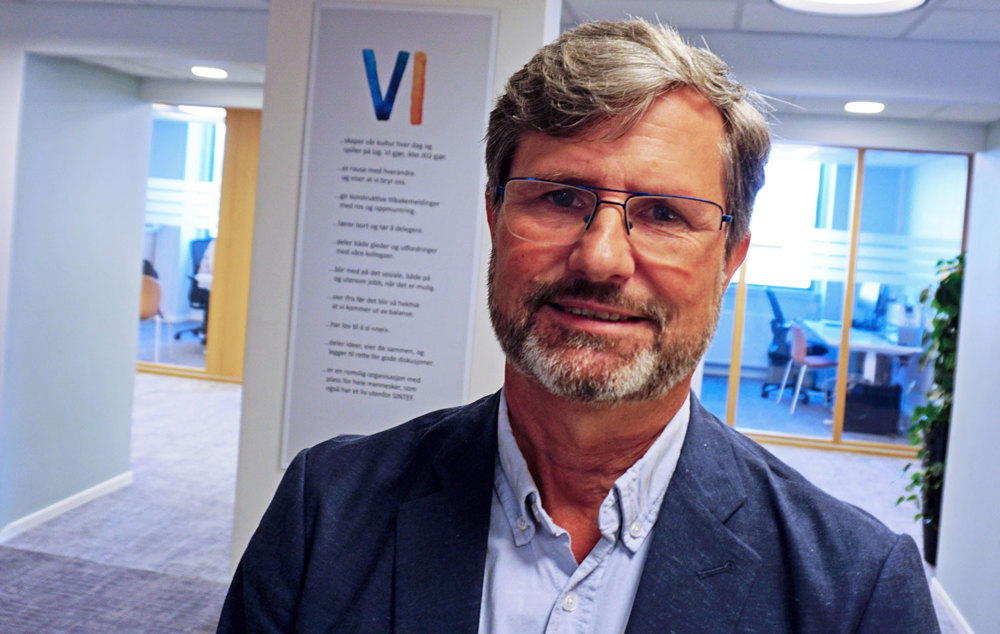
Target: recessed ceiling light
864	107
851	7
209	72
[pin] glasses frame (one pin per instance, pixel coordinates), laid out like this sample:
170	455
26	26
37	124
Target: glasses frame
725	218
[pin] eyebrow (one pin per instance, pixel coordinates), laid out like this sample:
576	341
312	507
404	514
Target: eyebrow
569	178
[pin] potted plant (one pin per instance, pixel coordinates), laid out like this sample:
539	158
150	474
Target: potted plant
931	422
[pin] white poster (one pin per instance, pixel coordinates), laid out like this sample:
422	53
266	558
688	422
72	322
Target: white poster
389	222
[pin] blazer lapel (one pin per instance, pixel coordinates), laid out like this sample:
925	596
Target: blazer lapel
698	573
441	538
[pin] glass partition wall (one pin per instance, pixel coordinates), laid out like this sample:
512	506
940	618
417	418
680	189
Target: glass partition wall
181	220
840	237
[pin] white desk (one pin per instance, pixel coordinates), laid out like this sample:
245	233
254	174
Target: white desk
869	343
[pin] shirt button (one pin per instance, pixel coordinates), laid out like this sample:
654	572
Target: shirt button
635	530
522	523
569	601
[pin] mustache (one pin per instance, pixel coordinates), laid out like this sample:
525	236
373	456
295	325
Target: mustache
608	293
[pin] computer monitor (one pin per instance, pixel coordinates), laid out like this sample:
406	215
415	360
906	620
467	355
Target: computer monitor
870	306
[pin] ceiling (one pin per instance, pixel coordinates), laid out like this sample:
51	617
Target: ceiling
960	29
920	63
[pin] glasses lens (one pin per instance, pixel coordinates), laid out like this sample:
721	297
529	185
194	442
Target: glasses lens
670	216
547	212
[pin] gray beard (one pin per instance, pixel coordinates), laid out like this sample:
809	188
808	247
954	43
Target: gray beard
642	375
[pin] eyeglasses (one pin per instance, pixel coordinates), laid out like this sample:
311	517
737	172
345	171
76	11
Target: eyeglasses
558	214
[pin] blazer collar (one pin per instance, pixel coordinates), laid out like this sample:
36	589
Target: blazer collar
441	537
698	573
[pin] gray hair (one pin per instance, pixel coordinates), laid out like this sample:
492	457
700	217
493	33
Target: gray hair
611	73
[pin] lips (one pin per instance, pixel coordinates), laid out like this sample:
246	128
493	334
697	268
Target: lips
597	301
598	315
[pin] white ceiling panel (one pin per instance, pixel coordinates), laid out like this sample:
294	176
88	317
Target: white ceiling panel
204	4
211	4
968	113
692	14
976	26
897	109
768	17
239	72
984	5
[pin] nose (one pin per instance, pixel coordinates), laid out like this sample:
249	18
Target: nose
604	253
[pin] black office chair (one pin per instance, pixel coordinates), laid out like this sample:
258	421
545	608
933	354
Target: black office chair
197	296
778	352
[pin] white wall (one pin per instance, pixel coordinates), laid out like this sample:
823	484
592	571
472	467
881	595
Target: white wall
969	549
524	25
66	395
11	75
937	198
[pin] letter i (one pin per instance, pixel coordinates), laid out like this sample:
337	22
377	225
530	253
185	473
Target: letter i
417	95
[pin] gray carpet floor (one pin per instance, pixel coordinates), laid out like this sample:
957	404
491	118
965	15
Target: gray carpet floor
155	553
154	557
40	592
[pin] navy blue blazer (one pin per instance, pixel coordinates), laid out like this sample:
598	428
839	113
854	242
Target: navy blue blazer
388	533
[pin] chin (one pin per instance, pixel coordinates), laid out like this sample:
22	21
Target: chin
599	376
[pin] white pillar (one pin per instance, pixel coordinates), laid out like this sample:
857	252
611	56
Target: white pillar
524	25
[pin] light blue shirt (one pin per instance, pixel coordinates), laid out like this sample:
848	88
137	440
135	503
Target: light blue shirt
532	582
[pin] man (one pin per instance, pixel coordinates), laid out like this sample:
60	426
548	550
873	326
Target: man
594	493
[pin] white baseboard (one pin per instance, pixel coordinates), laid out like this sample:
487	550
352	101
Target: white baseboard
53	510
945	601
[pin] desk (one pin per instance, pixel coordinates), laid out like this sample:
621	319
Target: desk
869	343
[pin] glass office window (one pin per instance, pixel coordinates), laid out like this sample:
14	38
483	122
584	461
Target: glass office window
860	347
796	274
182	215
912	216
715	378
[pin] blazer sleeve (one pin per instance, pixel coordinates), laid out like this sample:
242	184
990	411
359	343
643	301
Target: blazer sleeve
900	600
266	587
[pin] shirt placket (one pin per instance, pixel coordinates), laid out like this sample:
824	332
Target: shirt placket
574	608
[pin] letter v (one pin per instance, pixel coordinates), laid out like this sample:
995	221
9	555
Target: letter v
383	105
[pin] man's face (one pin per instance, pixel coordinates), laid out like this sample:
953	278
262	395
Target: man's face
597	321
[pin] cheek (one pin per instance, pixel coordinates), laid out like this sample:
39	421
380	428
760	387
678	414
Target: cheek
519	263
691	288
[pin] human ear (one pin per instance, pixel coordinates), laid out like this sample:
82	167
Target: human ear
736	256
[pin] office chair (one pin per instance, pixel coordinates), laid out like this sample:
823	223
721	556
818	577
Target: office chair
800	357
778	351
197	296
149	308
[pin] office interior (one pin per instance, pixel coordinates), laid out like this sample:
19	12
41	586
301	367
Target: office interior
910	216
73	241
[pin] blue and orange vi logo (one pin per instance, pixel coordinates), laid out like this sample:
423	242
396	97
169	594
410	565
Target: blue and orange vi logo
383	103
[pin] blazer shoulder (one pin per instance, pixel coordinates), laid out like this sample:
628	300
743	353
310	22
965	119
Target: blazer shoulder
397	455
769	483
821	554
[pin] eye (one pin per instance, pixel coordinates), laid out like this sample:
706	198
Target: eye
566	198
660	211
663	213
655	215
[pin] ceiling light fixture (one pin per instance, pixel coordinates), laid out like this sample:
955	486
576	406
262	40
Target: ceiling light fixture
864	107
851	7
209	72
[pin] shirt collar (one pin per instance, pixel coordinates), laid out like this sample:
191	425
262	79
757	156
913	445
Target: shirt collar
632	505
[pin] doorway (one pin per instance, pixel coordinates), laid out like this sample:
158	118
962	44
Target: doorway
197	240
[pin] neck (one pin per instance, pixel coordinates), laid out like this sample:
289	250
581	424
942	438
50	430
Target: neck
575	451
